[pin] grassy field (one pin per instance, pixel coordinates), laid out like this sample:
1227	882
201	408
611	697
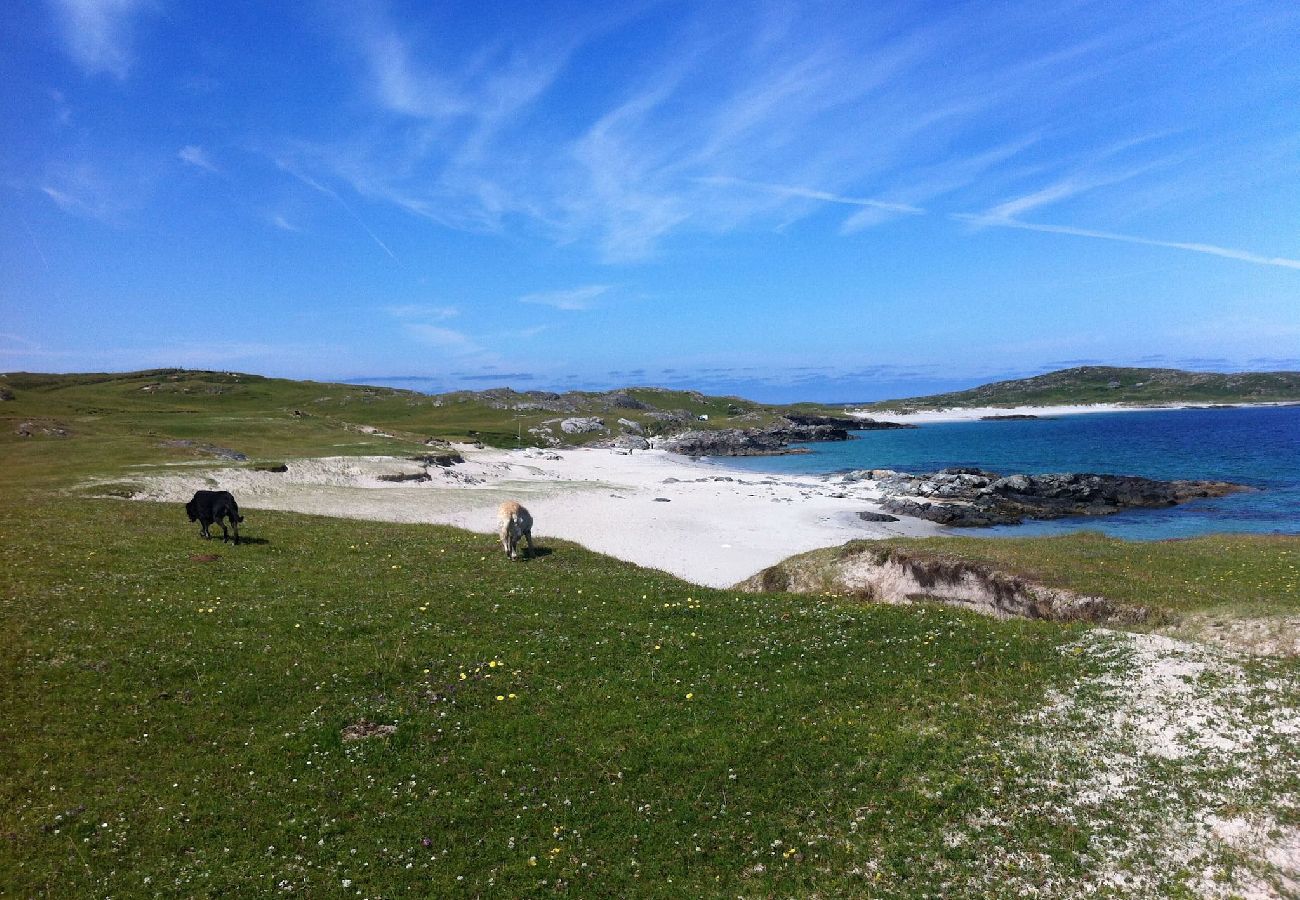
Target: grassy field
173	722
176	712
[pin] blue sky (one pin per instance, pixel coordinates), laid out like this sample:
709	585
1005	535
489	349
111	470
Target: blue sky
786	201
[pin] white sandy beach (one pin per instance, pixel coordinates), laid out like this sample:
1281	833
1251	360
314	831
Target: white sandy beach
702	522
972	413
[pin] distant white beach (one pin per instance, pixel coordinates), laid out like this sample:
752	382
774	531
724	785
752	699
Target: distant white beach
973	413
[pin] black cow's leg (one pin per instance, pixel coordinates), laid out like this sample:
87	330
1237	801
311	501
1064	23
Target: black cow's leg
225	535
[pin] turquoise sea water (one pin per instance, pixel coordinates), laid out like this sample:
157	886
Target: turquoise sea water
1258	446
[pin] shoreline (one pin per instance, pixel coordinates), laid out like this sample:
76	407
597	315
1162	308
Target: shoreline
701	521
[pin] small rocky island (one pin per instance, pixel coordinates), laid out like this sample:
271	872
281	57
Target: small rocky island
964	497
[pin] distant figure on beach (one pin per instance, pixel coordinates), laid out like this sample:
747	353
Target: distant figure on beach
514	522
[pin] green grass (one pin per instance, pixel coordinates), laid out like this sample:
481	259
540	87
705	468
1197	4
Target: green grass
172	725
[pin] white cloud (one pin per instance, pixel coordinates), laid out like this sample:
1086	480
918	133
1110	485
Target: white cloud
785	190
197	157
1060	191
97	33
283	224
443	338
573	299
82	189
1210	249
420	311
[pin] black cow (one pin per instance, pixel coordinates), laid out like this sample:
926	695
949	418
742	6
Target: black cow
213	506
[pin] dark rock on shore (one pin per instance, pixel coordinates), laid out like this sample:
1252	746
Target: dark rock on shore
725	442
876	517
771	441
797	432
446	460
403	477
834	421
874	425
973	497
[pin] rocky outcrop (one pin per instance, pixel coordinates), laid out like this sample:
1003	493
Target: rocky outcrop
210	449
834	421
844	422
42	429
451	458
582	425
964	497
795	432
623	400
403	477
773	440
725	442
873	425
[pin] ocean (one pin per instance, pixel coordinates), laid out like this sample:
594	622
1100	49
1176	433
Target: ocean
1256	446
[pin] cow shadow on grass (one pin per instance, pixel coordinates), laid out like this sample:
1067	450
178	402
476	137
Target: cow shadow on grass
218	542
537	553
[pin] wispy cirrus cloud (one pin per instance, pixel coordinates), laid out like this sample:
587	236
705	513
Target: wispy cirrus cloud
330	192
82	189
198	157
1208	249
97	34
758	122
571	300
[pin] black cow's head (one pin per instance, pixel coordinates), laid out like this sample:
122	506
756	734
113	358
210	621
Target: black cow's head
190	511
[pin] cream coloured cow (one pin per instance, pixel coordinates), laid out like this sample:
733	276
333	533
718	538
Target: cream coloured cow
514	522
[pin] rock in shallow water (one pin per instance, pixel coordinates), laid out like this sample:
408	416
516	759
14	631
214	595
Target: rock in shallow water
971	497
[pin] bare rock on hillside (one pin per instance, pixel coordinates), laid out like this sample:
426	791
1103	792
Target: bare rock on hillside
42	429
210	449
582	425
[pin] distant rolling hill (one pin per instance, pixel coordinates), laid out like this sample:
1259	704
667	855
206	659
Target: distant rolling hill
1113	384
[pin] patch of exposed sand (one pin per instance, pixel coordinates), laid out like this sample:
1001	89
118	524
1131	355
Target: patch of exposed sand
1178	760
